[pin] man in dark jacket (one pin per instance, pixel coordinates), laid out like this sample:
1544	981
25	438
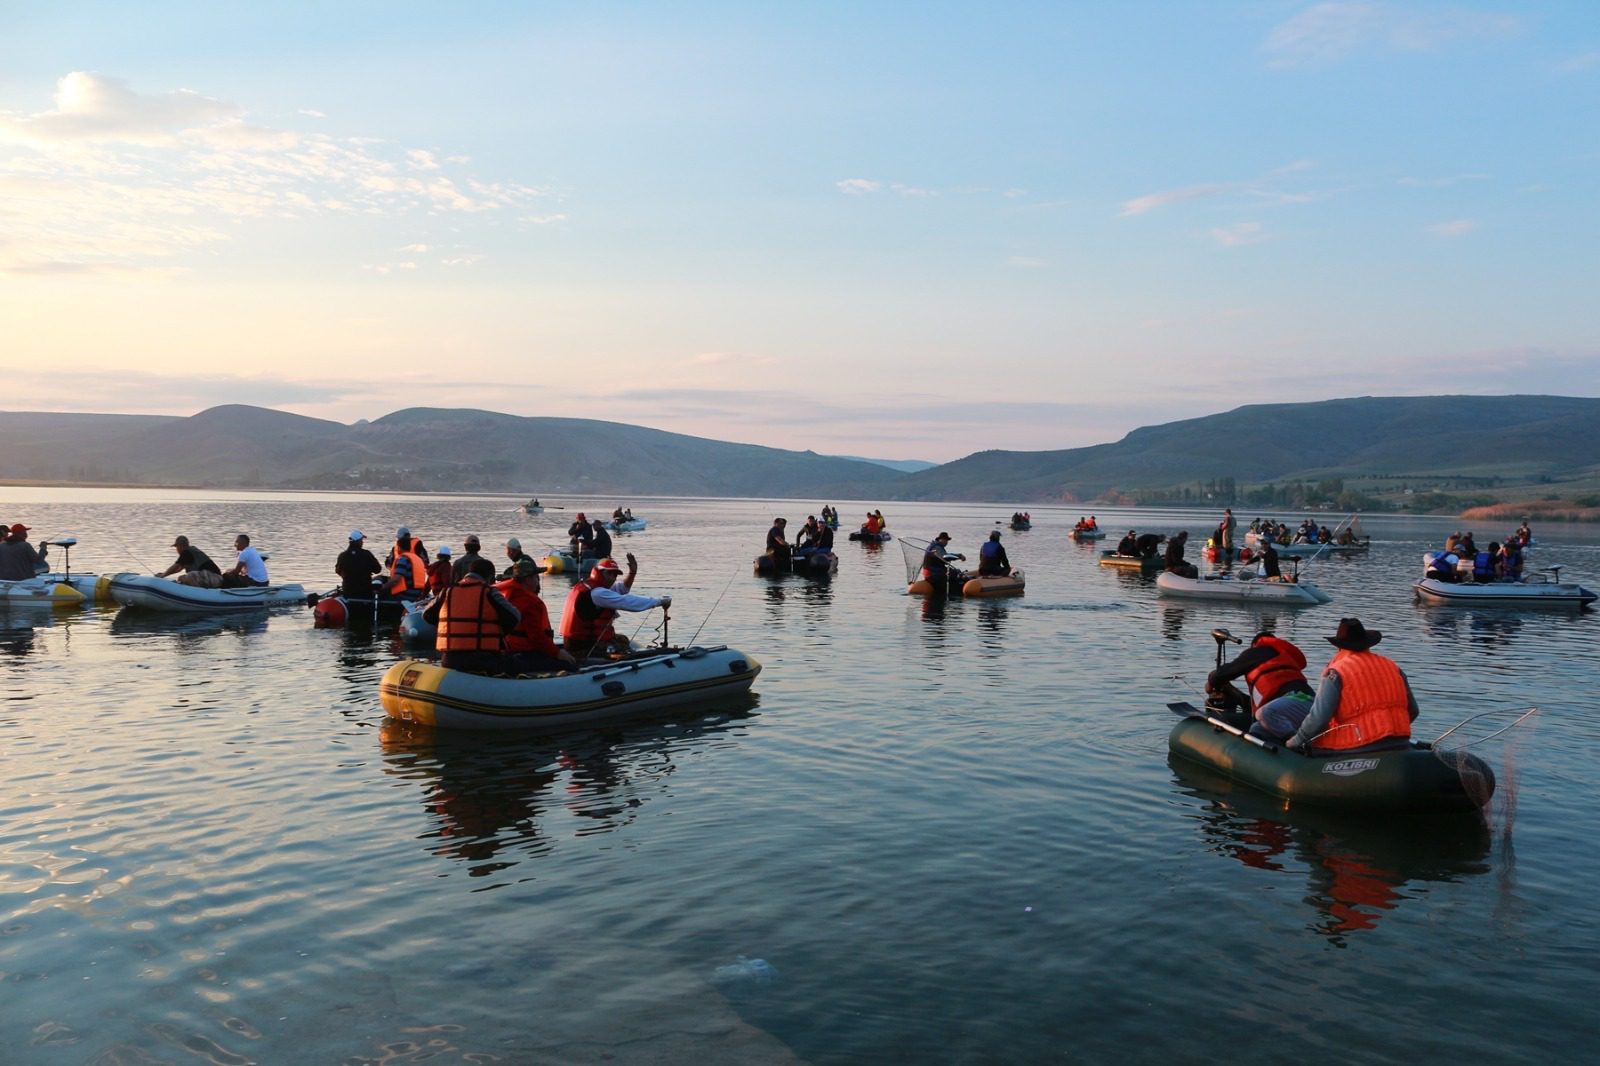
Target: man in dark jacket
1174	557
18	560
356	568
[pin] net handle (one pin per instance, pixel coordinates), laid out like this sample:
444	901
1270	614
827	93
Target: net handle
1522	716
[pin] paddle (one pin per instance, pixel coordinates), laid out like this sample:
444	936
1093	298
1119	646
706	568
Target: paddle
1189	710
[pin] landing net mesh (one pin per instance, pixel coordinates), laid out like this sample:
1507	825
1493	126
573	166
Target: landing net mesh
1467	748
913	550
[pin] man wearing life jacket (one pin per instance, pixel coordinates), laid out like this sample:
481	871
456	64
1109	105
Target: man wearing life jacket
1364	698
473	620
1280	696
594	603
531	647
408	566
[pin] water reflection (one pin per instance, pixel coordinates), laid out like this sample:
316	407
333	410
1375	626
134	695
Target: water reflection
16	631
187	633
992	618
495	801
1356	870
1172	619
1486	629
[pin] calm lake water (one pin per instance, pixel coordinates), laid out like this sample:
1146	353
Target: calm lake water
951	832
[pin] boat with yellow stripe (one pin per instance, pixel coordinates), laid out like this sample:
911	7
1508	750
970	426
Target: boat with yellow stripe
426	693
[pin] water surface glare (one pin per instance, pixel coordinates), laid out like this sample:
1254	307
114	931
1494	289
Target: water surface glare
951	831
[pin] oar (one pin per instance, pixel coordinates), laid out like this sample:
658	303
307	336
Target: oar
1189	710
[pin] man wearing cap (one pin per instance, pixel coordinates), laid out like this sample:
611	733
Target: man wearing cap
581	535
18	560
1128	545
531	646
514	555
469	555
594	603
1364	697
404	542
250	571
936	566
356	568
198	569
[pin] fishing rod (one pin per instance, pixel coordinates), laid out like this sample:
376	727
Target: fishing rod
714	606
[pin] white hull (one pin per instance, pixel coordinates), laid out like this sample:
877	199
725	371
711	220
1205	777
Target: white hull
1228	587
159	594
1503	593
631	525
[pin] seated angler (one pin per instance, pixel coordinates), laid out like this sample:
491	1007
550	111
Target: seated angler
992	561
1129	545
1174	557
198	569
581	536
250	571
592	607
1274	671
601	544
530	645
778	546
473	620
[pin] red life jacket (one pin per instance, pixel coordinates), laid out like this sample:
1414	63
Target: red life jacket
440	574
467	621
533	631
1372	702
581	620
1287	665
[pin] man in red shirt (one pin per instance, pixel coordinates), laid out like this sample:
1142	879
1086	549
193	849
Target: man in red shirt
531	646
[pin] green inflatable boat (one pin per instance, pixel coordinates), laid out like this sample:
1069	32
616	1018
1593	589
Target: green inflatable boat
1414	777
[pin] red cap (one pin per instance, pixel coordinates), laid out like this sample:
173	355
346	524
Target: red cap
19	528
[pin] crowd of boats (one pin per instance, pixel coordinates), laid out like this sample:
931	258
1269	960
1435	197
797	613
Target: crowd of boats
610	678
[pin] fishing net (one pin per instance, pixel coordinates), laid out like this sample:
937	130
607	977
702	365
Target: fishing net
1466	747
913	550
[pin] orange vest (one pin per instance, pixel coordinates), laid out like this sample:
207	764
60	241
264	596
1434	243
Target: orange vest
400	580
1372	702
533	631
467	621
574	624
1272	676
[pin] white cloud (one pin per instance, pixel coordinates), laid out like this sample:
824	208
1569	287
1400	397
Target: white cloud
310	113
1458	227
1239	234
1143	204
1442	183
417	248
120	180
1327	32
1581	62
858	186
542	220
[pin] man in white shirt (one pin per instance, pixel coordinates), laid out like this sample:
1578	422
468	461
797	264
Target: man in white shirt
251	569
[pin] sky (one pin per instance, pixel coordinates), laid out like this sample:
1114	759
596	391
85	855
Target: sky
898	230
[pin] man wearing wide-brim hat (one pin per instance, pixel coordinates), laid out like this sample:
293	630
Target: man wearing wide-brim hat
1364	702
530	645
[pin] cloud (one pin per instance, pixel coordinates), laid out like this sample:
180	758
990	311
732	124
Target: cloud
542	220
417	248
1241	233
1442	183
858	186
1458	227
1328	32
1144	204
109	389
116	179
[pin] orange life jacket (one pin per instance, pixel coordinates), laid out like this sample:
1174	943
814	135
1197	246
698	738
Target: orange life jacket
467	621
1273	676
1372	702
404	579
581	620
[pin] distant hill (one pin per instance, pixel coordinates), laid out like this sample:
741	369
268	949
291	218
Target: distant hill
418	449
905	466
1519	438
1533	441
